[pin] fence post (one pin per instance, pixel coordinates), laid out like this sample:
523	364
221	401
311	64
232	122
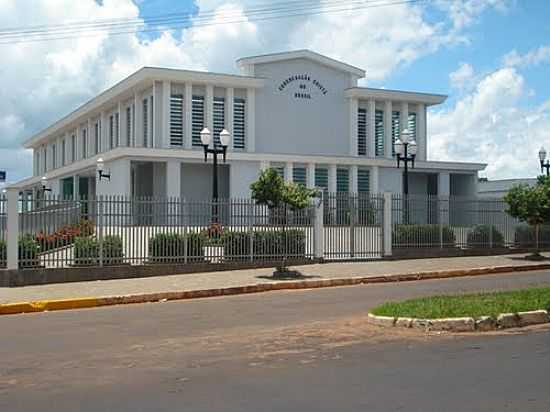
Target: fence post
12	228
387	224
318	228
100	229
251	222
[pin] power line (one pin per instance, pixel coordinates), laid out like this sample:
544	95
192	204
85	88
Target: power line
300	8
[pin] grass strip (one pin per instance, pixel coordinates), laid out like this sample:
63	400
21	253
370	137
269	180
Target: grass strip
471	305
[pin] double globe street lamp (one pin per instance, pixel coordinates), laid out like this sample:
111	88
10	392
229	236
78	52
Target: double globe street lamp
544	164
405	151
215	150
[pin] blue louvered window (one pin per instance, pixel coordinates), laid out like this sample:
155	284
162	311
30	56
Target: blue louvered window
412	125
321	177
342	180
379	132
361	132
197	119
395	129
363	180
299	175
176	120
218	119
239	105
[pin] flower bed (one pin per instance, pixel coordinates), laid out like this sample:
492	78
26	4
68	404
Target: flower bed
65	235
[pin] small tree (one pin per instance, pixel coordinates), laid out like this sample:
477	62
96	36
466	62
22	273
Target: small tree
271	190
531	204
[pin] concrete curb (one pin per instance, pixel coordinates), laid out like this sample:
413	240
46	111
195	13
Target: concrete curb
89	302
465	324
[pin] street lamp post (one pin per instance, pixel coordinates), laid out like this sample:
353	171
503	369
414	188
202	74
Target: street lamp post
544	164
225	138
405	151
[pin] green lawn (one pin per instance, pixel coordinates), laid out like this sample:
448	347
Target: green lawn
471	305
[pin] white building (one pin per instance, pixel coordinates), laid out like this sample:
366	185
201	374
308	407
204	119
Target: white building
499	188
299	112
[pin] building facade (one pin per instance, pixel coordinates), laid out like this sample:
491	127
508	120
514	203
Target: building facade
299	112
499	188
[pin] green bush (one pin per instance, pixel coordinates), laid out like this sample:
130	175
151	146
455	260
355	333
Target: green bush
480	237
28	252
422	236
86	250
170	247
524	236
269	244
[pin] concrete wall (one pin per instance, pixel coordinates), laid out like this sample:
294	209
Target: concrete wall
463	185
196	181
287	124
242	175
119	184
390	180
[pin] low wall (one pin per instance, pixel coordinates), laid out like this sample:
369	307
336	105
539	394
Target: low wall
28	277
435	252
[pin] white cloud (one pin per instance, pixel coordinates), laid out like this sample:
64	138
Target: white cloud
533	57
461	76
489	125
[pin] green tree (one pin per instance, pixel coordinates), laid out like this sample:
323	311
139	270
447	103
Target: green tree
531	204
271	190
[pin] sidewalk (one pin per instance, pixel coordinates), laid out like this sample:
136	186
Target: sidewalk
318	275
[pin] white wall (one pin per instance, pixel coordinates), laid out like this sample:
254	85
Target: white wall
196	181
242	174
286	124
390	180
119	184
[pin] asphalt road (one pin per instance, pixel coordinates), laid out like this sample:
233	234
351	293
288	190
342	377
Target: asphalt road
288	350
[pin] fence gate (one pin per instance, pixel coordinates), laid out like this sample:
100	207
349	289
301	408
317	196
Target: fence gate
353	225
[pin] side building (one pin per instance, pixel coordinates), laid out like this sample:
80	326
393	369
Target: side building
299	112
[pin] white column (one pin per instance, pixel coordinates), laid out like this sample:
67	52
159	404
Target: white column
188	118
288	172
353	106
387	224
353	179
421	140
209	109
76	186
123	123
153	116
250	120
12	228
138	128
404	116
173	178
332	178
165	123
388	138
229	100
310	175
443	184
374	179
119	129
104	132
371	138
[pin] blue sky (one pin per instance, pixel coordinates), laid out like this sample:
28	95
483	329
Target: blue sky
492	57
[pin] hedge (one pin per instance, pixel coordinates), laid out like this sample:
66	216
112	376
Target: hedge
269	244
28	252
479	237
86	250
170	247
422	236
524	236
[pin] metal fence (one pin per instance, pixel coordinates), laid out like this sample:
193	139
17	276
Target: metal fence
352	225
115	230
451	222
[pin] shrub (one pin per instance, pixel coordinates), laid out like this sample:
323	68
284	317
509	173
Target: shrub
270	244
170	247
482	236
423	236
524	236
86	250
28	252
